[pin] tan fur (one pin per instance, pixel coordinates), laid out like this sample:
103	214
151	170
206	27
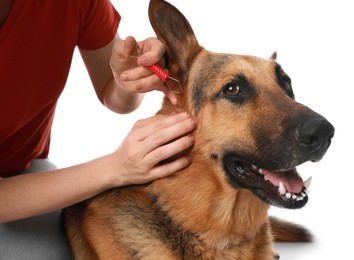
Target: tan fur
196	213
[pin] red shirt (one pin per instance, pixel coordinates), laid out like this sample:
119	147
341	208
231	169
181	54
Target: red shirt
36	47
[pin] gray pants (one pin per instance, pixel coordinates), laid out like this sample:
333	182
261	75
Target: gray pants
35	238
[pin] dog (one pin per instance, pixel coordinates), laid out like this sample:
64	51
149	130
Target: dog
251	134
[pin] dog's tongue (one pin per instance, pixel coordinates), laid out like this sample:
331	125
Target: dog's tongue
291	179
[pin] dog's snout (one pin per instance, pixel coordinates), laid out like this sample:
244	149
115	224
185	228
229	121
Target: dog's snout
315	134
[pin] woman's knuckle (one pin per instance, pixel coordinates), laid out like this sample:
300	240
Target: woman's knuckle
137	86
138	123
159	139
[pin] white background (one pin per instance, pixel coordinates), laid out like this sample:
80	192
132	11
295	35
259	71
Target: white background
315	47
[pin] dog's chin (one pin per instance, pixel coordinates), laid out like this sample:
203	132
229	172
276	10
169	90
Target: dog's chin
282	188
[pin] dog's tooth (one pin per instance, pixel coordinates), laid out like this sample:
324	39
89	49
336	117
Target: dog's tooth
288	195
307	182
281	189
261	171
303	194
299	198
294	197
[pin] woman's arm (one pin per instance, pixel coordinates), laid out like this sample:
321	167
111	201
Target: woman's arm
136	161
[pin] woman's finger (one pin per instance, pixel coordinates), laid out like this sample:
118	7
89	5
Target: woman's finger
168	150
167	169
152	52
167	135
152	127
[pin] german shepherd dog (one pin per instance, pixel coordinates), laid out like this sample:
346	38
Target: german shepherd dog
251	134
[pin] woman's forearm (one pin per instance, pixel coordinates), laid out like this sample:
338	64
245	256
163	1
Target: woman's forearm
38	193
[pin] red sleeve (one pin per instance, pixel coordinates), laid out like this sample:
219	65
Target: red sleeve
99	22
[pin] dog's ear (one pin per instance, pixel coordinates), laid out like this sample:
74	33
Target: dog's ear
173	29
273	56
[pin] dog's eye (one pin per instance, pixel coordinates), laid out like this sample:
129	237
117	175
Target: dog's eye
232	90
237	90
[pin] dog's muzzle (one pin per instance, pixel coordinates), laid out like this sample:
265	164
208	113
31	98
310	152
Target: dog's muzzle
272	173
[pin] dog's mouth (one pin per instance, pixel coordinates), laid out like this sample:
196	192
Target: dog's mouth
283	188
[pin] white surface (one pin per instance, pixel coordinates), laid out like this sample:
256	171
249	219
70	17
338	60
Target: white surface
315	47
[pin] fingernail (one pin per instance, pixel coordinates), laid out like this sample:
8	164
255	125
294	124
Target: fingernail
187	116
175	102
142	61
194	123
124	76
189	159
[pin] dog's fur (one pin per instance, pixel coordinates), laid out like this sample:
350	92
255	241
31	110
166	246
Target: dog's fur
216	208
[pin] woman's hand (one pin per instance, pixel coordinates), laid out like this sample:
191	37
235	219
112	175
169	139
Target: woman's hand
129	72
151	141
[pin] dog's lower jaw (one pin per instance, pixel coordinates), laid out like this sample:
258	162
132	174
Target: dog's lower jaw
224	219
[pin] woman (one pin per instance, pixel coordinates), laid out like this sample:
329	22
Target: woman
37	40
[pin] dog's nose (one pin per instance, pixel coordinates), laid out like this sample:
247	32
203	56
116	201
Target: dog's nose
315	134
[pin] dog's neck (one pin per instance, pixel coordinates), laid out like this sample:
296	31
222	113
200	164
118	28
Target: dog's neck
216	211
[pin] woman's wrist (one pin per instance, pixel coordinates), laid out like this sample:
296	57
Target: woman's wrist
119	100
105	170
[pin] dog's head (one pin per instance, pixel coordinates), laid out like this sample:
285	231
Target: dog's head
249	124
